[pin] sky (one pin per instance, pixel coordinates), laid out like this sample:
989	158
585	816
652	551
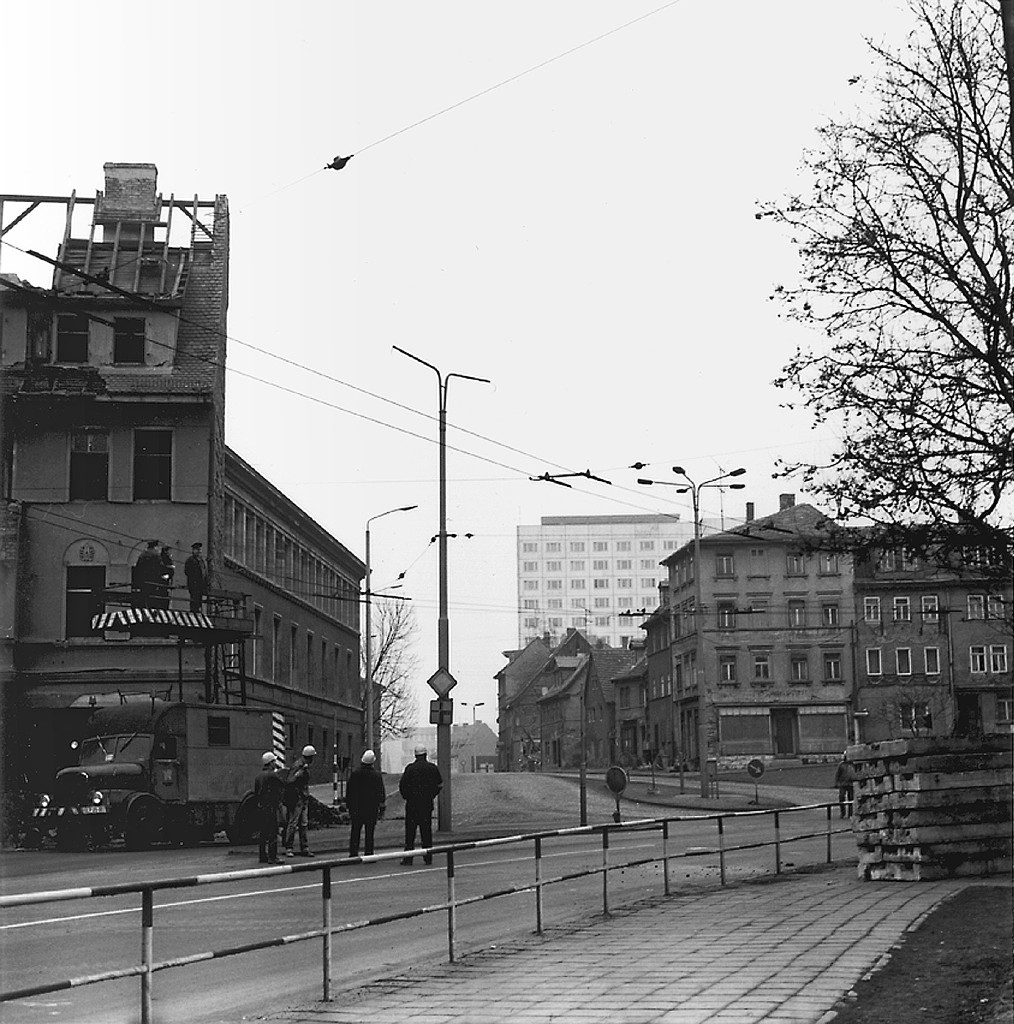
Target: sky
555	195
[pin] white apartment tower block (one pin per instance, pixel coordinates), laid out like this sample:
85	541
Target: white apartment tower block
599	574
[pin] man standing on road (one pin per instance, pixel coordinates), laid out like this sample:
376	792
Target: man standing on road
297	803
420	783
365	797
268	789
844	778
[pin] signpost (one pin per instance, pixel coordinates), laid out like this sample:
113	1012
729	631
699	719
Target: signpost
616	780
756	769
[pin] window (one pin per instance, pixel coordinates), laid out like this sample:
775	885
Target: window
601	602
531	623
799	668
915	716
530	605
976	606
85	587
898	560
725	564
529	566
258	642
529	548
309	659
832	667
977	659
828	565
554	584
600	564
600	584
871	609
930	606
577	566
153	464
128	339
1005	711
530	584
89	465
648	563
903	660
293	639
646	545
71	338
997	658
554	602
623	545
554	566
552	547
647	582
555	622
797	613
578	602
276	648
219	731
762	666
624	583
994	606
874	665
601	620
727	668
795	564
726	615
902	609
600	545
931	659
577	584
576	547
624	602
829	614
623	563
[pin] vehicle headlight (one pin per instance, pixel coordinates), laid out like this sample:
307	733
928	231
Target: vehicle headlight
96	797
43	799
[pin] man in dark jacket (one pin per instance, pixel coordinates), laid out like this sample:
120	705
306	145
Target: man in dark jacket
297	803
365	797
196	571
844	780
268	788
420	783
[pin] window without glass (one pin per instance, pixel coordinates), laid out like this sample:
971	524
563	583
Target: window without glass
128	339
153	464
89	465
85	587
915	716
71	338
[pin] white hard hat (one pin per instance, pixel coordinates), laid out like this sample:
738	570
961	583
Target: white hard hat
309	751
369	757
267	758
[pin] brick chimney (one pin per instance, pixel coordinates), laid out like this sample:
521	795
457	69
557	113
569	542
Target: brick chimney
749	511
130	197
786	501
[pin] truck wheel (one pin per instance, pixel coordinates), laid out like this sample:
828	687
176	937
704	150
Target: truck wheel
144	822
243	830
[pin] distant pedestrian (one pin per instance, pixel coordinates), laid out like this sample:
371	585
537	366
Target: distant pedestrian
166	574
147	575
268	790
420	783
365	797
196	571
297	803
844	780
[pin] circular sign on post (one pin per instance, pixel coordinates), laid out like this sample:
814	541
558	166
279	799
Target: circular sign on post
755	768
616	779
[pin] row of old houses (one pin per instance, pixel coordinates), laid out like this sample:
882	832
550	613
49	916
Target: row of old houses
784	637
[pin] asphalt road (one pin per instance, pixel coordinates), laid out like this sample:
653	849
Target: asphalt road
71	939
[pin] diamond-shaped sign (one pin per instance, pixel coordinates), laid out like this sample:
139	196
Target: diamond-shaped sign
442	682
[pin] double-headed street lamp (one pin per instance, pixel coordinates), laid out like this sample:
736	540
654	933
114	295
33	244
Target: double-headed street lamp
370	738
442	678
701	674
478	704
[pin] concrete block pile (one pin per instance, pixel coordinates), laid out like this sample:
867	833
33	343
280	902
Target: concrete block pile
934	807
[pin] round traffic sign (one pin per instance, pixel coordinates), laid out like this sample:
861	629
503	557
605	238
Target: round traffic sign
756	768
616	779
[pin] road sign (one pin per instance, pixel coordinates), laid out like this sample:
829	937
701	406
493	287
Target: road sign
441	712
616	779
756	768
442	682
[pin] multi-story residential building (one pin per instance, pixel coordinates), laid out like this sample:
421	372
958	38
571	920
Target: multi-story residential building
660	710
762	636
934	641
593	573
113	404
518	712
630	689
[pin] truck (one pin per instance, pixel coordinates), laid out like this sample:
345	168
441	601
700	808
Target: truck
156	771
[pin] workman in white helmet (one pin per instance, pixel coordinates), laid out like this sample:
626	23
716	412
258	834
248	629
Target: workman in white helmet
297	803
268	790
365	797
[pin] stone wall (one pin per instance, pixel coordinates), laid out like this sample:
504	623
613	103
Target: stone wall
934	807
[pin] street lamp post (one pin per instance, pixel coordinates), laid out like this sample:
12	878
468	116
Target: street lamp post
370	725
443	631
699	663
475	755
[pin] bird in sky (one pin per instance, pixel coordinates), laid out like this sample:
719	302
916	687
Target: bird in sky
339	162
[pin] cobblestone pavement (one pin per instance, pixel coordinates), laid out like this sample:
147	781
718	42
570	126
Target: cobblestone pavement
782	951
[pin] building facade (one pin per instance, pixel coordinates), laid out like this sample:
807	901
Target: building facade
593	573
113	406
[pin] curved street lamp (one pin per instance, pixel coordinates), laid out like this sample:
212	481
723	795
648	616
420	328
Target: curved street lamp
700	671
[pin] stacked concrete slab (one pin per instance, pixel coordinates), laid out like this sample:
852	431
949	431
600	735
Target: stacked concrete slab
933	808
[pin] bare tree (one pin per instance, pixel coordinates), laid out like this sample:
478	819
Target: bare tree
394	666
905	236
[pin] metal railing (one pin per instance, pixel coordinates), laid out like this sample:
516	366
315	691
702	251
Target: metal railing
148	966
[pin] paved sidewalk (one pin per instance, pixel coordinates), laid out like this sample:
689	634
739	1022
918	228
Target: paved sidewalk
779	951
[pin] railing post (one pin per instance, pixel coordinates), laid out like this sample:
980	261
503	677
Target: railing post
325	891
605	871
147	945
665	857
778	847
450	906
721	849
828	809
538	885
